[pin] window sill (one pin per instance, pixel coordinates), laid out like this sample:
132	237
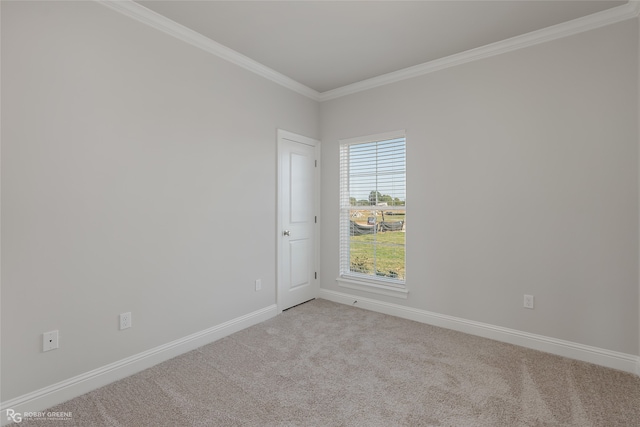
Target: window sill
372	286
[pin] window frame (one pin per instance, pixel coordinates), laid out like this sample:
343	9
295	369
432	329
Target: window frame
346	278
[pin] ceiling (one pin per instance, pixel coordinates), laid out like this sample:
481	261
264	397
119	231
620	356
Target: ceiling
330	44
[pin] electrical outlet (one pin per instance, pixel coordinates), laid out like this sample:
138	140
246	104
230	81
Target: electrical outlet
258	284
528	301
125	320
49	340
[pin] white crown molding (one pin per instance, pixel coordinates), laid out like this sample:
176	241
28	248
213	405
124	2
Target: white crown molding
565	29
599	356
148	17
62	391
159	22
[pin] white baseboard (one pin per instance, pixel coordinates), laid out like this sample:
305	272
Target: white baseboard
611	359
47	397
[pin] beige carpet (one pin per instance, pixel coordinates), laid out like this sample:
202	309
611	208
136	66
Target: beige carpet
325	364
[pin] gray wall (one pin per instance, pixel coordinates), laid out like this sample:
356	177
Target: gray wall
138	174
522	178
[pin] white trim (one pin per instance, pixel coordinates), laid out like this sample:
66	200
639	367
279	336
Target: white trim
64	390
599	356
378	137
371	286
148	17
159	22
565	29
294	137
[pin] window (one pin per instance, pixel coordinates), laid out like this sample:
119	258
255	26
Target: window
373	210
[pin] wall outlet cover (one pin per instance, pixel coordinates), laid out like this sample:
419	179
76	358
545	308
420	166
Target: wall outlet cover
125	320
528	301
50	340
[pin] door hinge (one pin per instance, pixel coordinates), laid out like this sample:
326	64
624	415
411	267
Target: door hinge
316	163
315	275
315	219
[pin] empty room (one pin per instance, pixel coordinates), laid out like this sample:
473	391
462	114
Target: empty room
320	213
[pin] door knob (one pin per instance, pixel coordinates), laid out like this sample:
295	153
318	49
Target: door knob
287	233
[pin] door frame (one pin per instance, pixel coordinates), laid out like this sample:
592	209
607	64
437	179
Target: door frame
290	136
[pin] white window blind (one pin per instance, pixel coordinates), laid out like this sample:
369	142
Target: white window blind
373	209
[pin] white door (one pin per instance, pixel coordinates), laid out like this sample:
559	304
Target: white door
298	179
